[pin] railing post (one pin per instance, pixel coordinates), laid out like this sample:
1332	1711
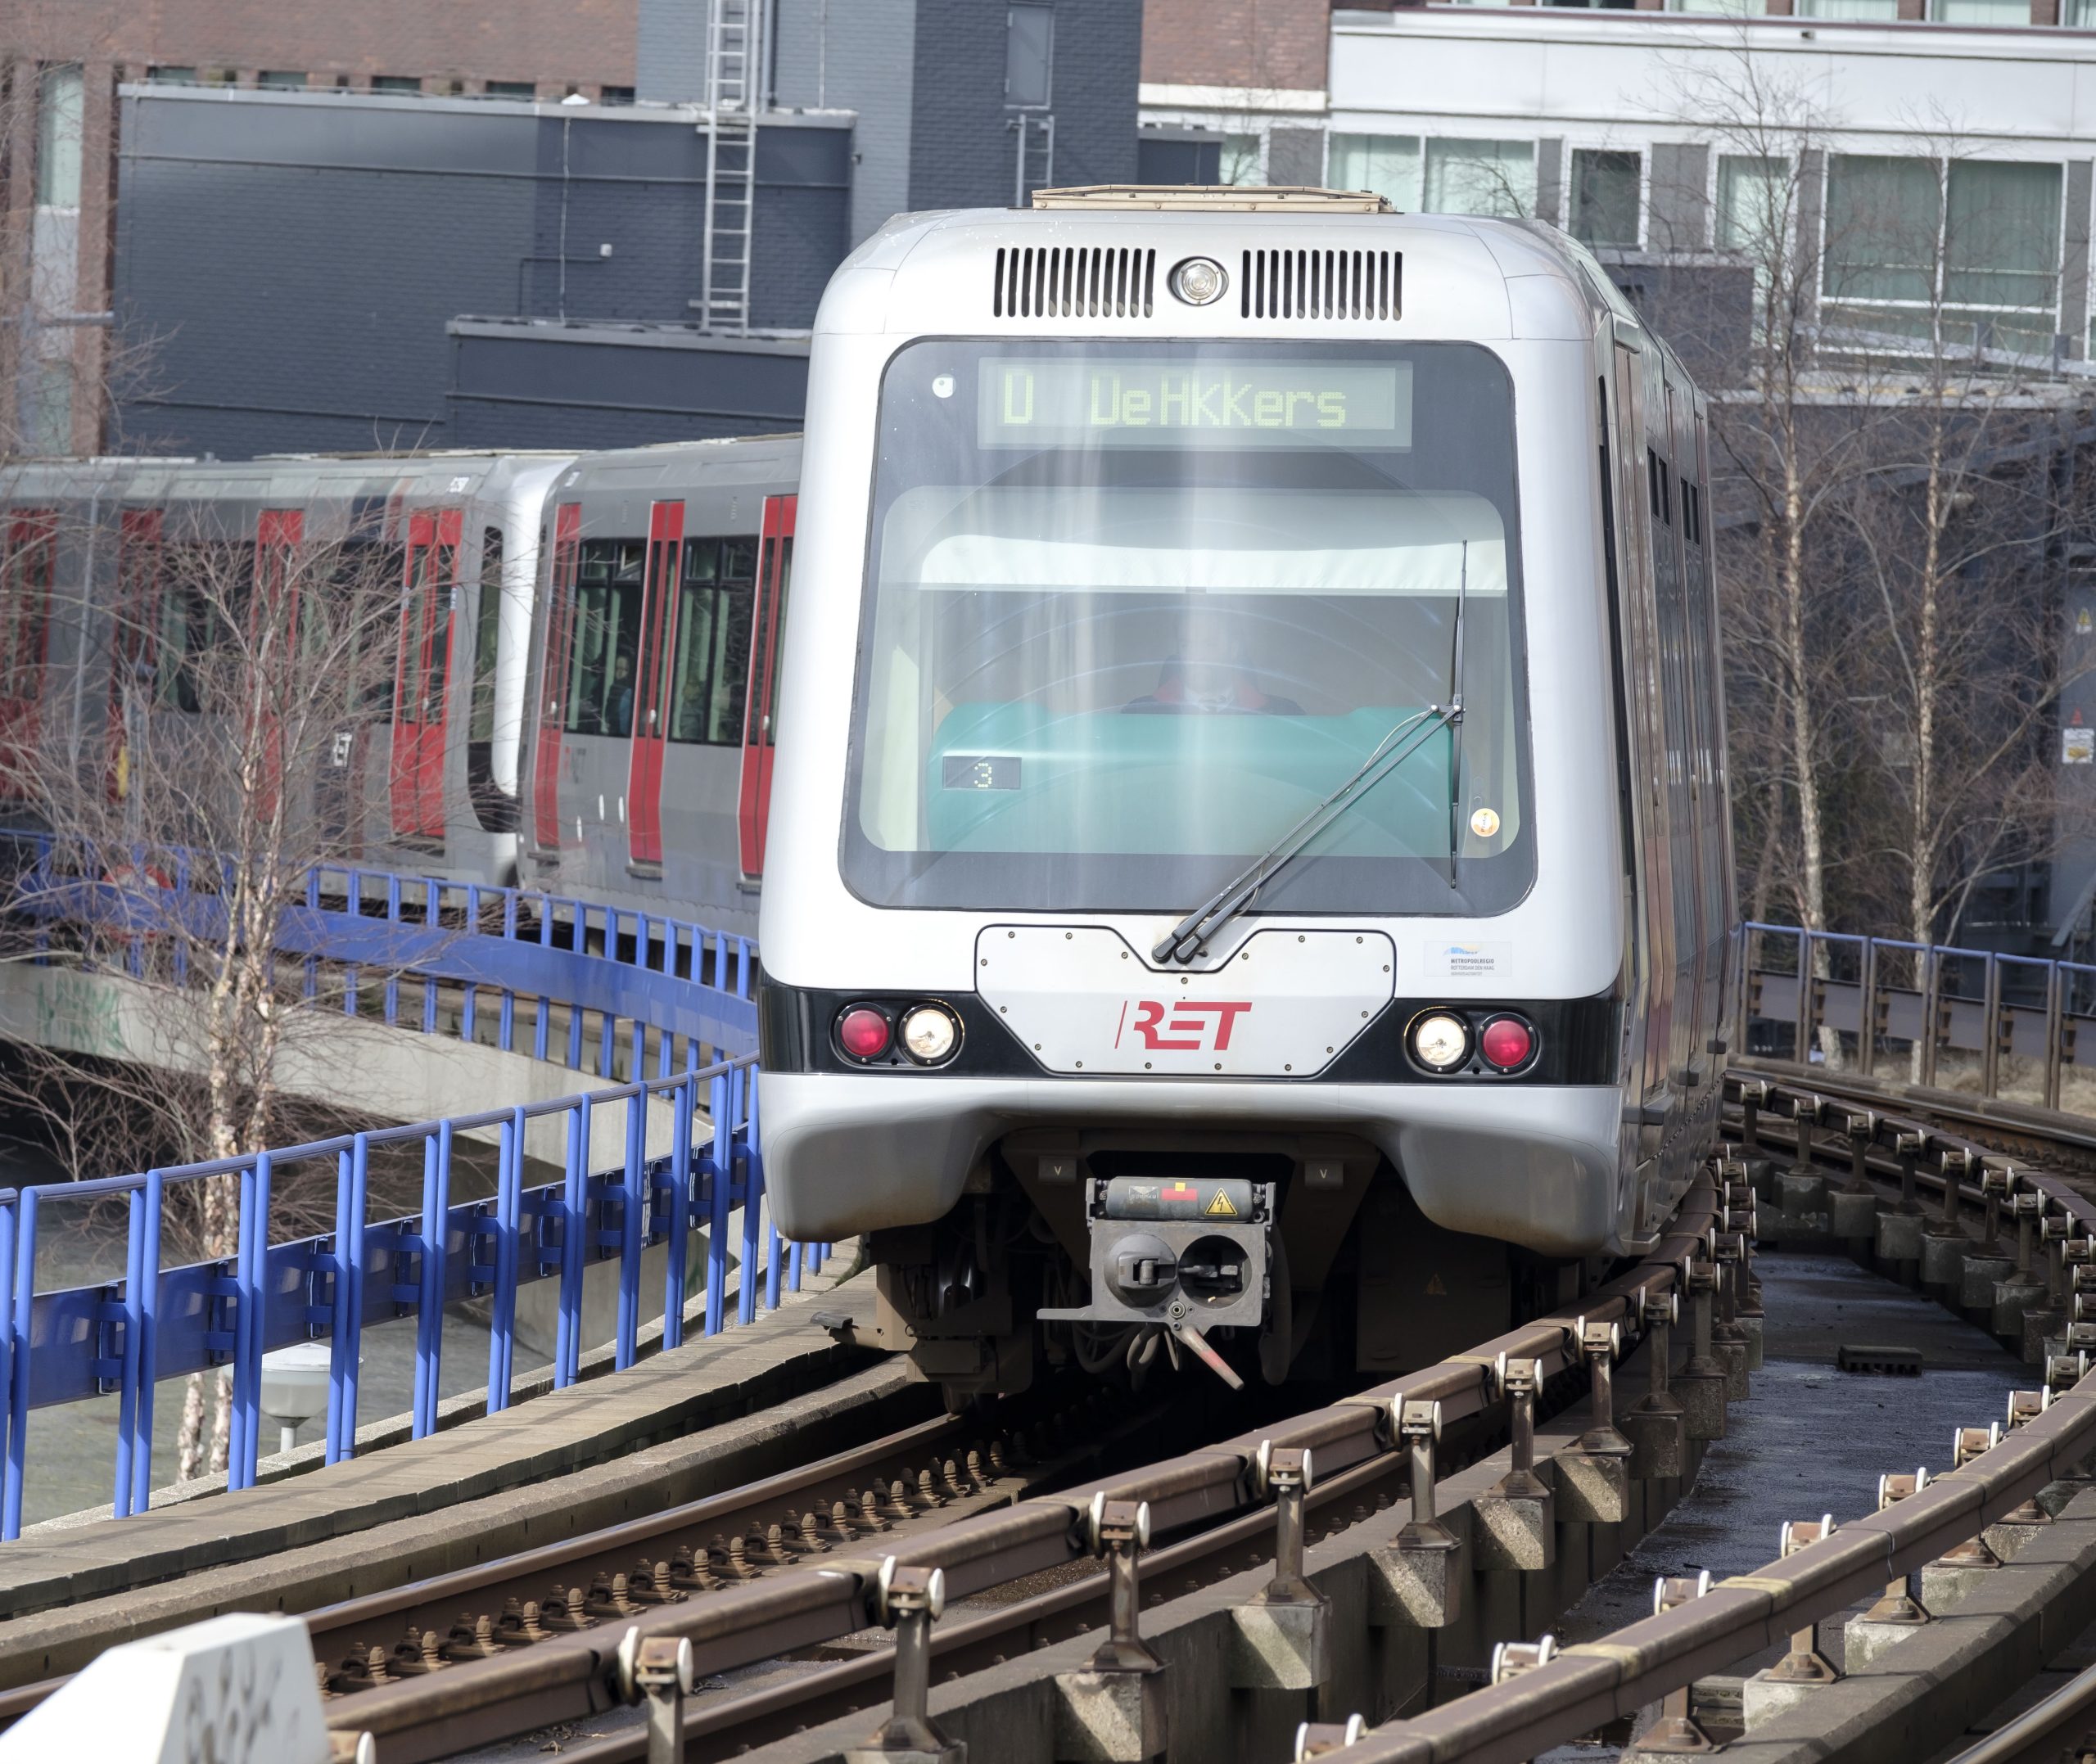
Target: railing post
719	1150
631	1236
574	1225
508	1213
1931	1003
127	1397
154	1199
1802	1049
684	1098
2055	1024
10	1473
247	1338
752	1193
1867	1019
1990	1029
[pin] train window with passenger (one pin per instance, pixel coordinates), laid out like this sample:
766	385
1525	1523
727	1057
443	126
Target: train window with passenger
606	639
712	668
1133	610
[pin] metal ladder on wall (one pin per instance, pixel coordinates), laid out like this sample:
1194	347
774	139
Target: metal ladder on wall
734	60
1035	160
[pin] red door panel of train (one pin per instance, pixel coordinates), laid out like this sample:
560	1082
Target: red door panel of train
649	720
136	649
423	675
553	678
774	569
272	630
24	634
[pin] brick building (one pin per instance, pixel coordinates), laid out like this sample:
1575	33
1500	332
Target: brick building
63	61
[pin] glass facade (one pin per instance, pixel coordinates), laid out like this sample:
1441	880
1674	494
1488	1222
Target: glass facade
1606	191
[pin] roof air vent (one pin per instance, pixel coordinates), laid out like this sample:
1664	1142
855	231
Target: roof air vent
1073	282
1321	284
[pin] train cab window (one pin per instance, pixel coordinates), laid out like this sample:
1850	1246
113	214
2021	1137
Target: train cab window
606	641
711	673
1134	609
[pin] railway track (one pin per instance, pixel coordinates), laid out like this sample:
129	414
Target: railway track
779	1605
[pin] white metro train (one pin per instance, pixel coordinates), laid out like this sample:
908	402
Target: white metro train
1250	867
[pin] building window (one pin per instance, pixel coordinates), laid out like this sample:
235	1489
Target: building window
2078	15
59	97
1973	248
171	76
1754	203
47	423
1243	159
1727	8
512	89
1388	165
614	95
1029	55
1606	186
279	81
396	85
1981	12
1479	177
1869	11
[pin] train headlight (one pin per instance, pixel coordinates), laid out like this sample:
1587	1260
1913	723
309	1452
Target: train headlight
929	1033
1440	1042
1506	1042
1198	281
862	1031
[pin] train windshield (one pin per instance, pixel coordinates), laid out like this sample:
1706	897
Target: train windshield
1133	610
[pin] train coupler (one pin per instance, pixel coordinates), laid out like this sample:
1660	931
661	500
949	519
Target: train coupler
1185	1255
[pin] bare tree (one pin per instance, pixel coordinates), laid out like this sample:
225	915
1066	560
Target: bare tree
184	819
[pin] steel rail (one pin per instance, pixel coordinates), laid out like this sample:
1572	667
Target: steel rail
2034	1737
572	1677
1588	1683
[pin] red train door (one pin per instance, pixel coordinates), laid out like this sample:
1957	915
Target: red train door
272	636
135	648
651	703
24	632
553	678
422	678
774	569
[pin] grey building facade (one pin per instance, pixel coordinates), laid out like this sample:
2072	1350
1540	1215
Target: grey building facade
297	260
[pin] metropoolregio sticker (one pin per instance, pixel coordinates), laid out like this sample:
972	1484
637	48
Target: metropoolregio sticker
1457	959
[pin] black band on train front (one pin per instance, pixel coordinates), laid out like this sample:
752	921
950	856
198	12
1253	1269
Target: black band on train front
1578	1040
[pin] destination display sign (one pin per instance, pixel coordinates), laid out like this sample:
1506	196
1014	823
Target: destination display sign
1171	401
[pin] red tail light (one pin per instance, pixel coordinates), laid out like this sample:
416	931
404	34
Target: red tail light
1507	1042
863	1032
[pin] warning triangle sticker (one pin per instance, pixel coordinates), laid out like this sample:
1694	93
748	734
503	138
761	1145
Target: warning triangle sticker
1434	1289
1220	1208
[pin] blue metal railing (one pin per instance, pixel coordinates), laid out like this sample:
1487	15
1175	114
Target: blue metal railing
547	953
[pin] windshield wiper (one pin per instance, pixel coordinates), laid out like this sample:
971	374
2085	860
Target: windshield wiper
1456	718
1184	941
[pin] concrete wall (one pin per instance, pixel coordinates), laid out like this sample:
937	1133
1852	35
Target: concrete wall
298	259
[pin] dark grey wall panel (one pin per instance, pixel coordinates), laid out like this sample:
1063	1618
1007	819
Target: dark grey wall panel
858	56
543	385
297	263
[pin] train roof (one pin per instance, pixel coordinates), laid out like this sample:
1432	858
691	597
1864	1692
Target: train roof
1110	252
287	477
723	460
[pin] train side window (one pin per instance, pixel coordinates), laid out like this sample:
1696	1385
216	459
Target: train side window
25	616
487	629
713	642
605	637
